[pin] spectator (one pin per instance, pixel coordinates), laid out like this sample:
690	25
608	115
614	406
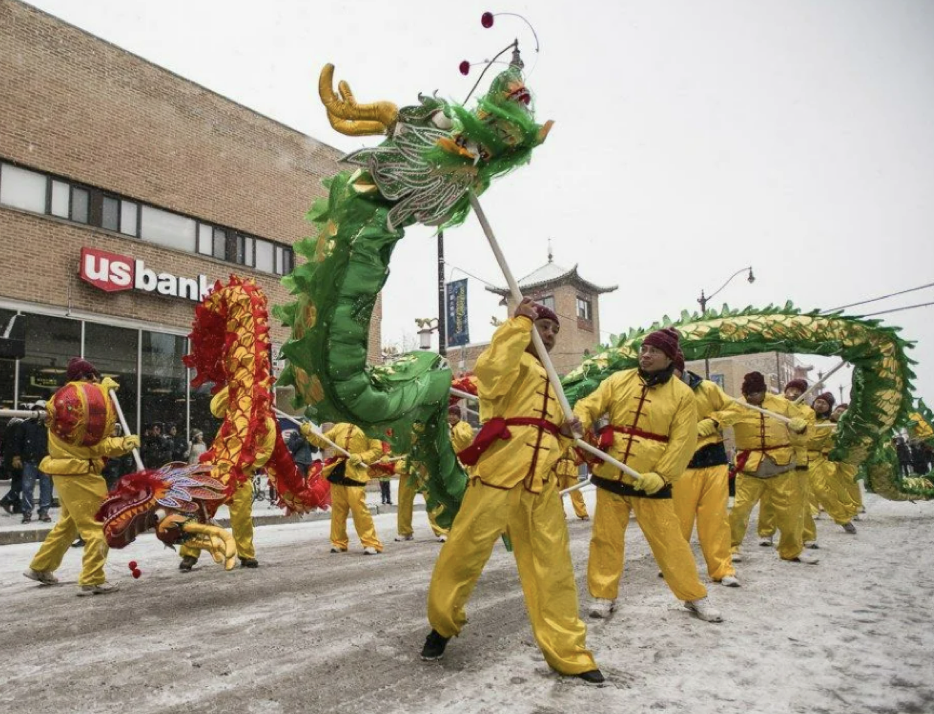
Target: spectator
117	466
30	446
157	451
904	455
178	443
919	459
11	501
197	446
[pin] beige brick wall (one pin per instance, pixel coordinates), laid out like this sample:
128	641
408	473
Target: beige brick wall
79	107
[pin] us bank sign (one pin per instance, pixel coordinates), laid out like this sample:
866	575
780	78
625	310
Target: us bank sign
112	272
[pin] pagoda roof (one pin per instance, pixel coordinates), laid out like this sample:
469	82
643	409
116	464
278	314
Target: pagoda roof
553	274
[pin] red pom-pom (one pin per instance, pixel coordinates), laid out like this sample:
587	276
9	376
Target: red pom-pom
137	572
464	68
486	19
132	565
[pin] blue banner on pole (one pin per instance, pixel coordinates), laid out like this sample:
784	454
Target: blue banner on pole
457	329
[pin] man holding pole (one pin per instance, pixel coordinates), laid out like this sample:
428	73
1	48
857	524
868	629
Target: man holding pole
767	465
652	429
75	469
512	492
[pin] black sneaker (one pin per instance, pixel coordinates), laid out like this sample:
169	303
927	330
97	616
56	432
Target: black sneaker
849	528
8	507
434	646
594	676
78	543
27	519
187	563
249	563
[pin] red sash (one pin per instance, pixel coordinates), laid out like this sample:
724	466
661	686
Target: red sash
497	428
606	435
743	456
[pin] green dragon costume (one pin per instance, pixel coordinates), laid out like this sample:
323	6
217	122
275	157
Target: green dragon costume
881	392
436	154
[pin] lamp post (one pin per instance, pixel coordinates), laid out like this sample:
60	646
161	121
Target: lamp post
426	325
704	299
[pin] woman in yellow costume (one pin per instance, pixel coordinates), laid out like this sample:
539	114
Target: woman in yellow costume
653	430
82	416
348	478
511	491
703	491
771	463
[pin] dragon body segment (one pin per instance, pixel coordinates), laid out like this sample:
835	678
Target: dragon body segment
437	154
881	391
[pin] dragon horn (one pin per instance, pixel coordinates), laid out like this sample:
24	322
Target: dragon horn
214	539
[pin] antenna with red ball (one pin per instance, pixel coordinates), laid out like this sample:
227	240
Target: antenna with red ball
486	19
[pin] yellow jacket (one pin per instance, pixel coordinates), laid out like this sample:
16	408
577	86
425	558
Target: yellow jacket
666	410
67	460
350	438
709	399
513	383
820	440
461	436
761	435
568	464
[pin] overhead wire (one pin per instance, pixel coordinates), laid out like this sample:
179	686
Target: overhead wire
881	297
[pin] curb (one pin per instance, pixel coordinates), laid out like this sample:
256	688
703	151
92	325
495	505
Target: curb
37	535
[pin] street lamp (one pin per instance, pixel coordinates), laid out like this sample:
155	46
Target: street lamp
704	299
427	325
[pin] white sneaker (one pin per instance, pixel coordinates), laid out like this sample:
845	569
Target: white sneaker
442	538
766	541
101	589
731	581
704	610
403	538
369	550
736	557
806	558
601	608
41	576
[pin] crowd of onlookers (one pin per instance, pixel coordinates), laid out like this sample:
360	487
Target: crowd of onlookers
914	456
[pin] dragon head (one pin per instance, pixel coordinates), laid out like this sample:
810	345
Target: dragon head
130	509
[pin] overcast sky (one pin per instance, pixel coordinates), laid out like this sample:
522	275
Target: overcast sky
691	138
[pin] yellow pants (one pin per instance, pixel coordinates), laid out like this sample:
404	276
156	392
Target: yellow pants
829	489
702	495
80	497
808	526
536	526
765	526
659	524
241	523
352	500
577	498
784	493
852	499
405	501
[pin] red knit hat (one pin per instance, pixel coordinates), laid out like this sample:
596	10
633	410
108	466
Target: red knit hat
546	313
753	382
827	397
665	340
799	384
454	409
78	368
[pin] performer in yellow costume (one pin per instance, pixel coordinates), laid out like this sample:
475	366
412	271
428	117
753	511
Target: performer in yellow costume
703	491
348	481
76	473
511	491
845	475
653	430
767	463
826	485
567	472
240	504
765	526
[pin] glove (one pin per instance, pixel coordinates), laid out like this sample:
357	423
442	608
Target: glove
17	462
355	460
650	483
131	442
798	425
706	427
306	429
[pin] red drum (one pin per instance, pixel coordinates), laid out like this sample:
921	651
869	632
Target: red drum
81	414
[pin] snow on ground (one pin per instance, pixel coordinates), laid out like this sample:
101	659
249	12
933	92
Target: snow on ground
311	631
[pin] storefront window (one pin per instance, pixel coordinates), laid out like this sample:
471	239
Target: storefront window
7	368
201	417
113	351
50	343
163	381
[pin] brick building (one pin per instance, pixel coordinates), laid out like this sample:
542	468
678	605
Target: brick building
125	190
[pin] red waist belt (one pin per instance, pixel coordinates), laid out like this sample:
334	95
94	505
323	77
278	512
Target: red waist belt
743	456
498	428
606	435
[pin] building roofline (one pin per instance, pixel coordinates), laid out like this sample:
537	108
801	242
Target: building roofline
191	82
570	276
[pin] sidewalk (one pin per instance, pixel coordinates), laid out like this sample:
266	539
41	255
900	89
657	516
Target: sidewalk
13	531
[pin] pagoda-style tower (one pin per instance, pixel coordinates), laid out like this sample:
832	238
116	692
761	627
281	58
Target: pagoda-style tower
574	299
